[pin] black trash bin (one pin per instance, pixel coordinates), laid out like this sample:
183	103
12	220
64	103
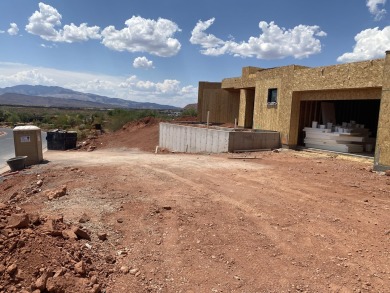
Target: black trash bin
61	140
70	140
17	163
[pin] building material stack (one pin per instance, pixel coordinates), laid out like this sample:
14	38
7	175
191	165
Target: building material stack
347	138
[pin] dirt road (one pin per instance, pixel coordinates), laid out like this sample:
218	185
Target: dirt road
280	222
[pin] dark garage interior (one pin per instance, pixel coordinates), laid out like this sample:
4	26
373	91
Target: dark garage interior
362	111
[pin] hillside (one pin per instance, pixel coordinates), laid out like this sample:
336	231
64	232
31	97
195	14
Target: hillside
26	100
28	95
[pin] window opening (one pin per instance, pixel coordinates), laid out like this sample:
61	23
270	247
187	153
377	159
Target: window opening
272	96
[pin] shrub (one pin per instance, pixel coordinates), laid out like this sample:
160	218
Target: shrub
189	112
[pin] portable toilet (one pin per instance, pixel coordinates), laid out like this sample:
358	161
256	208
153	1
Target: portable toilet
28	142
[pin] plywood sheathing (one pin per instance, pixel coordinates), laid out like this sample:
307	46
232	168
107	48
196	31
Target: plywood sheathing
366	74
223	105
289	79
382	152
359	80
245	116
276	118
250	71
247	80
233	83
202	86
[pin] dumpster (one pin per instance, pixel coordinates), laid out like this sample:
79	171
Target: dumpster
28	142
61	140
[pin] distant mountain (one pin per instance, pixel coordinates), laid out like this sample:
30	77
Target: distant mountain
31	93
26	100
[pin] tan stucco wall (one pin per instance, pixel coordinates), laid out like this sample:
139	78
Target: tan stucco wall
382	153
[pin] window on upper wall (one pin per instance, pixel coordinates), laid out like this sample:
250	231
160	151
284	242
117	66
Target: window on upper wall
272	97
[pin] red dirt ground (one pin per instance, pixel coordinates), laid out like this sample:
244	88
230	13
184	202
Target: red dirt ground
283	221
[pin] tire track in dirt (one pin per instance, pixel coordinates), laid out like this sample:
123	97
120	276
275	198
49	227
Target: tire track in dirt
327	237
266	222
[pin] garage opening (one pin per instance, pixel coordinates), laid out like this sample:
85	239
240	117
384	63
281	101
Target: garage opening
339	125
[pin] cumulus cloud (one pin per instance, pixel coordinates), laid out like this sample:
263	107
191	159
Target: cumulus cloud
168	86
165	87
199	37
45	23
72	33
370	44
168	91
142	62
13	30
373	7
144	35
273	43
33	77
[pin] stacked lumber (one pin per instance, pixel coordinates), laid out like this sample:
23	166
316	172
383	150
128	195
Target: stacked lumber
347	140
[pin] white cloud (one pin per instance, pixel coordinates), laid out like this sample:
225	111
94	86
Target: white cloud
168	86
142	62
370	44
144	35
2	32
375	10
43	23
73	33
168	91
33	77
273	43
48	46
199	37
13	30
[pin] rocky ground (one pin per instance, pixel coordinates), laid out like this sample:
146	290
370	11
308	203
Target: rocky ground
123	219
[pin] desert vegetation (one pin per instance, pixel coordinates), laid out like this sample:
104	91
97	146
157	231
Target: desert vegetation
80	120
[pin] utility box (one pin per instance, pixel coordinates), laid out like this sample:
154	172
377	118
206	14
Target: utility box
28	142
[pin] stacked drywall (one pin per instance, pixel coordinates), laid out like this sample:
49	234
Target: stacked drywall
338	139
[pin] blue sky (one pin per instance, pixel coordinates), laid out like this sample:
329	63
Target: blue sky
158	51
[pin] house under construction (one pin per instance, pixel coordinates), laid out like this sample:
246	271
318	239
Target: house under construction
342	107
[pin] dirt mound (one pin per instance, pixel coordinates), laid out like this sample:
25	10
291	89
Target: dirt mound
45	254
44	248
141	134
